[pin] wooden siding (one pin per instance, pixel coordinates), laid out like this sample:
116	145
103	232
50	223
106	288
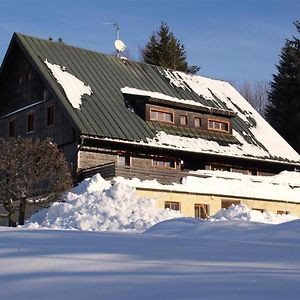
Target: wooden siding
141	167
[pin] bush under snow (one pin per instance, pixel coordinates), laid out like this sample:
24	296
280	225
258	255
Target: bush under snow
96	205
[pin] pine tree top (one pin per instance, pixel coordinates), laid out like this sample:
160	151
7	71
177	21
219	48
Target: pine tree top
163	49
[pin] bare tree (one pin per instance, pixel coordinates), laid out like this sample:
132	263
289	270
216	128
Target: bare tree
256	94
32	172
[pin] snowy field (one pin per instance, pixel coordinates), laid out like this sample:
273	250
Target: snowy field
100	243
179	259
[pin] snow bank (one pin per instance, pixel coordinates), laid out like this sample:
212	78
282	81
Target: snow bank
243	213
73	87
96	205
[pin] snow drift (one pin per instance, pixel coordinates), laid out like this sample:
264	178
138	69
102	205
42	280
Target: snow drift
243	213
96	205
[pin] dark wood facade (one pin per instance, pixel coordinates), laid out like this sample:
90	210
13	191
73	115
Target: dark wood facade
25	98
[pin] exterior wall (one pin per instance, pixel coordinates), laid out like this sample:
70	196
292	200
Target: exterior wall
89	159
20	88
188	200
20	85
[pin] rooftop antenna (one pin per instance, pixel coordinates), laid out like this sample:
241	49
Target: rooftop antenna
119	45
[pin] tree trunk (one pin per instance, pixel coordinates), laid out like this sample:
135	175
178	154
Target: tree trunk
22	208
12	219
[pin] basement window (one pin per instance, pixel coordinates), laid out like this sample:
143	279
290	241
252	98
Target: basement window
172	205
161	116
282	212
227	203
218	125
201	211
30	122
163	162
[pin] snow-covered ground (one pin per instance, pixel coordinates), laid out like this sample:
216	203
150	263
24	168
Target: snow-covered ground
228	256
177	259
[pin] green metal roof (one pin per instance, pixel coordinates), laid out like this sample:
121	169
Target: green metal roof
104	113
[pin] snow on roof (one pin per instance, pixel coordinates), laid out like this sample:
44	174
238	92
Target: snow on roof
211	89
134	91
282	187
73	87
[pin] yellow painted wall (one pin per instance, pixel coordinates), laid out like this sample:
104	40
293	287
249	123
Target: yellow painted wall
187	202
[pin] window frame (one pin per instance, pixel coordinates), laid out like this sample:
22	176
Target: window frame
218	121
205	208
164	161
185	117
163	111
127	159
199	119
12	121
32	113
50	106
169	204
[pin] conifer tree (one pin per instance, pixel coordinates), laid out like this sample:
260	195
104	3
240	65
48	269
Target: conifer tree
163	49
283	110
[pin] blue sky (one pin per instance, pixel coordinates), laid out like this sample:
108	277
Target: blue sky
236	40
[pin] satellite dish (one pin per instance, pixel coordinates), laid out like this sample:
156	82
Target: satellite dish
120	46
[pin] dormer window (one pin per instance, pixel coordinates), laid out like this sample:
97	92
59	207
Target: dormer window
183	120
197	122
161	116
218	125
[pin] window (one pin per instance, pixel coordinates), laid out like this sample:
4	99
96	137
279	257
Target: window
172	205
30	122
219	167
50	115
282	212
124	159
201	211
228	203
46	94
218	125
162	116
163	162
258	209
183	120
197	122
12	128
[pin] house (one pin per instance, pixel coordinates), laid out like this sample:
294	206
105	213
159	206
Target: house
119	117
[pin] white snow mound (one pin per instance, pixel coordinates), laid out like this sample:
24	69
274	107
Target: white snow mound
244	213
95	205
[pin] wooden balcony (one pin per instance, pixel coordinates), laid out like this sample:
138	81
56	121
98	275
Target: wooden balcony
111	169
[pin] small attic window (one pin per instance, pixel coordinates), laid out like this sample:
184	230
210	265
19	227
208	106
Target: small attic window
161	116
197	122
183	120
218	125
